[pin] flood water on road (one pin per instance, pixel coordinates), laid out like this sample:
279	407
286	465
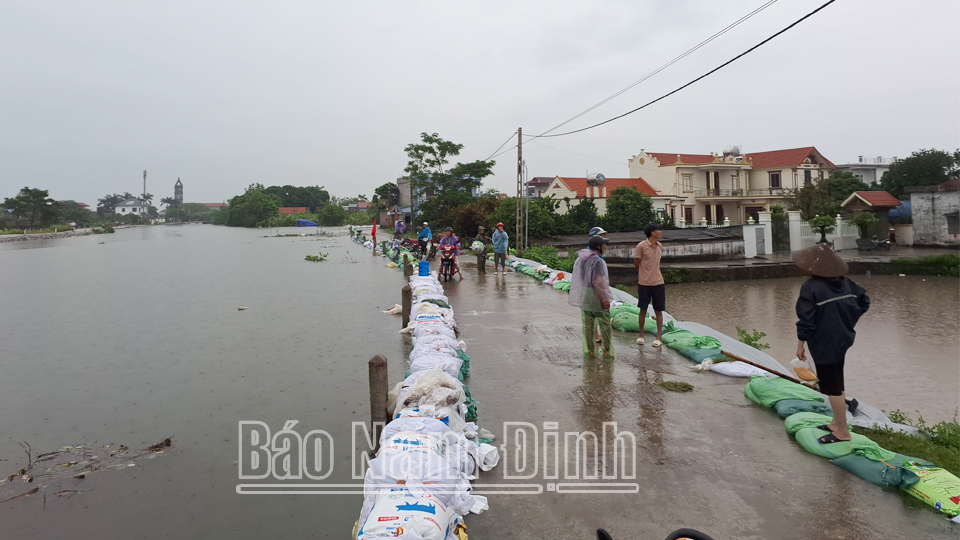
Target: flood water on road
907	351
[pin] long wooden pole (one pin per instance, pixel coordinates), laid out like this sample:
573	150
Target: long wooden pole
377	368
406	305
777	373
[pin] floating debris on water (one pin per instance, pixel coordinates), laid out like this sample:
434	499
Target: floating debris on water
70	464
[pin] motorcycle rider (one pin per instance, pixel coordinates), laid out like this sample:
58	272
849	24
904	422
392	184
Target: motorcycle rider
450	239
424	238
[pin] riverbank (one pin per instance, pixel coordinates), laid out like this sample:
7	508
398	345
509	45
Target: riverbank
43	236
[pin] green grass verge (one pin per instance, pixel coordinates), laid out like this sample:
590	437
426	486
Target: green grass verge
908	445
931	265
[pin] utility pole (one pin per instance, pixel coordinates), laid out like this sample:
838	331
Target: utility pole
144	185
520	192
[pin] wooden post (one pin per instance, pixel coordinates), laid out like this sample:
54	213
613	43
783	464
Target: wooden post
406	294
377	368
407	269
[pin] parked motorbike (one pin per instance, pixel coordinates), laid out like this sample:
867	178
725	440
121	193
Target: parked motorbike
446	262
679	534
880	244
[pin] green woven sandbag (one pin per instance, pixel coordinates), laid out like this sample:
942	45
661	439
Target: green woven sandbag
650	325
684	342
562	286
465	365
936	487
698	355
437	302
890	473
626	322
670	337
770	390
616	310
801	420
707	342
747	391
807	438
789	407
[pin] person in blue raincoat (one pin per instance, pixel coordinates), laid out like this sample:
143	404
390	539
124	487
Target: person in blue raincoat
424	238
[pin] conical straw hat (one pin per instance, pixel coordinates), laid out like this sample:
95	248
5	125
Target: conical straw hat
820	260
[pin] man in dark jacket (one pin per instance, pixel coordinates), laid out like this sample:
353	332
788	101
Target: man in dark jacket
828	309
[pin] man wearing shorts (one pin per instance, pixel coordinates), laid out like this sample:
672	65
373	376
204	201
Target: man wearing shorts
650	287
828	309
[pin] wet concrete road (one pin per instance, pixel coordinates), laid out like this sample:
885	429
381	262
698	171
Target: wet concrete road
706	459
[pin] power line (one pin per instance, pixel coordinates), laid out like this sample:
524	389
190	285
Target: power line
712	71
668	64
501	146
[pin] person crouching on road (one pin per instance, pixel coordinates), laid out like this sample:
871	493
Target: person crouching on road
590	291
450	239
650	286
500	243
482	256
828	308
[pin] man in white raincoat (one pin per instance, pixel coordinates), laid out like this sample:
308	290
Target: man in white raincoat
590	291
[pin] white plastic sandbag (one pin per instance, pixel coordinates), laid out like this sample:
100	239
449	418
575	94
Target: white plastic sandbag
426	426
411	440
422	473
736	369
449	364
450	415
396	513
421	384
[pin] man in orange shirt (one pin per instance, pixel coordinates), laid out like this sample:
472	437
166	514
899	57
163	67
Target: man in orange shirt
650	287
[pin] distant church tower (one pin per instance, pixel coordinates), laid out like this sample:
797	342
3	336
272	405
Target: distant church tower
178	193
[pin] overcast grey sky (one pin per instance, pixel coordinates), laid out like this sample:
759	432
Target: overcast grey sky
223	94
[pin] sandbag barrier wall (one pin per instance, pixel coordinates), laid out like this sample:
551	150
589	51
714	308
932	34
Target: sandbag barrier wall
418	485
921	479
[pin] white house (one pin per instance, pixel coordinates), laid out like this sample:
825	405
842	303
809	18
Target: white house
131	206
576	189
868	170
714	186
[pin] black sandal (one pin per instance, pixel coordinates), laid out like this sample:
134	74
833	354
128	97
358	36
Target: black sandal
830	439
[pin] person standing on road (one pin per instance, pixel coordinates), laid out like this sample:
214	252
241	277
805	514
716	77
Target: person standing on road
590	291
597	231
828	308
482	256
650	287
501	241
398	229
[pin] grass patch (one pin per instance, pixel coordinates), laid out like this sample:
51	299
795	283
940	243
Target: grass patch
624	288
548	255
676	275
677	386
931	265
908	445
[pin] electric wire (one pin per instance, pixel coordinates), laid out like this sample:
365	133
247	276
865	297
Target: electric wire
501	146
712	71
668	64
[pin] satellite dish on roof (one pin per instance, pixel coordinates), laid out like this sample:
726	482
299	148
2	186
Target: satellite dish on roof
596	179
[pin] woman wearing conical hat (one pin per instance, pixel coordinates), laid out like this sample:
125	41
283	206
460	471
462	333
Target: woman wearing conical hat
828	310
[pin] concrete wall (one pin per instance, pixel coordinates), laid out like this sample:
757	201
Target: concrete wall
677	251
929	222
904	234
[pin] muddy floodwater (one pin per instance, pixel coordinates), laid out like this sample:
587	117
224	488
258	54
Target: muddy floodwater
907	350
140	338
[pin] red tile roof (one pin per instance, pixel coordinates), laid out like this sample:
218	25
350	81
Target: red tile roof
783	158
214	204
760	160
580	185
293	209
666	158
362	205
875	198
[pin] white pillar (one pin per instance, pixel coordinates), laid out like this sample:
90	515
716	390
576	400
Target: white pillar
765	219
793	219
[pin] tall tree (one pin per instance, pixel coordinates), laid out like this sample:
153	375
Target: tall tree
34	205
446	187
388	193
841	185
108	202
922	168
170	202
628	210
147	198
252	207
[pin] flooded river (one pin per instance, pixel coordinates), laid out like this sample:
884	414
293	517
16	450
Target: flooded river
907	351
140	338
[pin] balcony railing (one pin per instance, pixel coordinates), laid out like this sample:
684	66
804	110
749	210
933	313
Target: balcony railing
767	192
